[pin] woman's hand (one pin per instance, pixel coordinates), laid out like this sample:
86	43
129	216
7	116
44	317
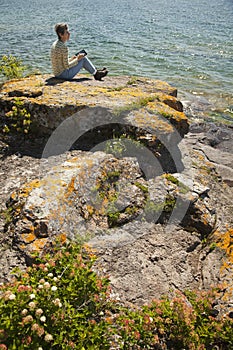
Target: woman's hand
80	56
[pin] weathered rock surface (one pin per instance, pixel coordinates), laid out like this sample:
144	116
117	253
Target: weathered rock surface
50	101
153	231
143	109
94	192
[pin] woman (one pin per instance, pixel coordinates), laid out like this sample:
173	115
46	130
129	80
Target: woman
66	68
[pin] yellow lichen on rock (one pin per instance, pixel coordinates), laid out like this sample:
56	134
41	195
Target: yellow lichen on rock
225	242
50	100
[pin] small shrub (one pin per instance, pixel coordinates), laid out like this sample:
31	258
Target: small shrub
57	304
62	303
11	67
18	120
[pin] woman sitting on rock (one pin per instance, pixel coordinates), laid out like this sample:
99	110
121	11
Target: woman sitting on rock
66	68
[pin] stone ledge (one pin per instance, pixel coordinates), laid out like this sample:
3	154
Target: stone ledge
50	100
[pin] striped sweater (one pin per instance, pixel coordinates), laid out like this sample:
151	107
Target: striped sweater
60	58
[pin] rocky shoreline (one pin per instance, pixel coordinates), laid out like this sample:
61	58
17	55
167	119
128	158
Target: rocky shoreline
144	257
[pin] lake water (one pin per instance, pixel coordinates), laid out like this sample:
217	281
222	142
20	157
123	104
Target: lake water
187	43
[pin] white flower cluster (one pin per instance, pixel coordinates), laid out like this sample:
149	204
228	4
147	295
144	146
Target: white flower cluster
57	302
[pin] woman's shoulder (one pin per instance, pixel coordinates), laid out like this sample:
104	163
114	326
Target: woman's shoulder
58	44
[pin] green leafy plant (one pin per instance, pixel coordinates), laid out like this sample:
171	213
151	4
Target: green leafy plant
18	119
11	67
56	304
62	303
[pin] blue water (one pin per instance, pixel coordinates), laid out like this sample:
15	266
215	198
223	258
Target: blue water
186	43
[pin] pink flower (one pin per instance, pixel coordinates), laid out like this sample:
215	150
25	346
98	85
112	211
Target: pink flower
27	319
35	327
9	295
40	331
39	312
3	347
27	340
32	305
22	288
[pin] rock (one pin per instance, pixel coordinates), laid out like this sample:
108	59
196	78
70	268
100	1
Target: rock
157	263
216	143
144	109
94	192
154	231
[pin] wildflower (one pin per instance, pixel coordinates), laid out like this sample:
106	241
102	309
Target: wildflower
54	288
40	286
12	296
48	337
3	347
32	296
27	319
92	321
46	285
57	302
43	318
40	348
35	327
32	305
39	312
137	335
7	294
50	274
21	288
27	340
40	331
55	279
24	312
42	280
71	344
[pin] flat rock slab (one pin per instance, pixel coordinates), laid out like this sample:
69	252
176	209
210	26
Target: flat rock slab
51	101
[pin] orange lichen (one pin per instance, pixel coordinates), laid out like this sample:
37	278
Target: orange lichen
62	238
25	191
38	244
28	237
70	187
89	250
225	242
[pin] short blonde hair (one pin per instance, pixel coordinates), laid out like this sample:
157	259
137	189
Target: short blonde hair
60	28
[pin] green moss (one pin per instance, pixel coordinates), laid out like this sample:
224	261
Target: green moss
113	218
152	209
132	80
139	103
182	187
8	215
169	204
172	179
142	187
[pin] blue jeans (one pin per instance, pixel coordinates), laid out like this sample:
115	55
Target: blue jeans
69	73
